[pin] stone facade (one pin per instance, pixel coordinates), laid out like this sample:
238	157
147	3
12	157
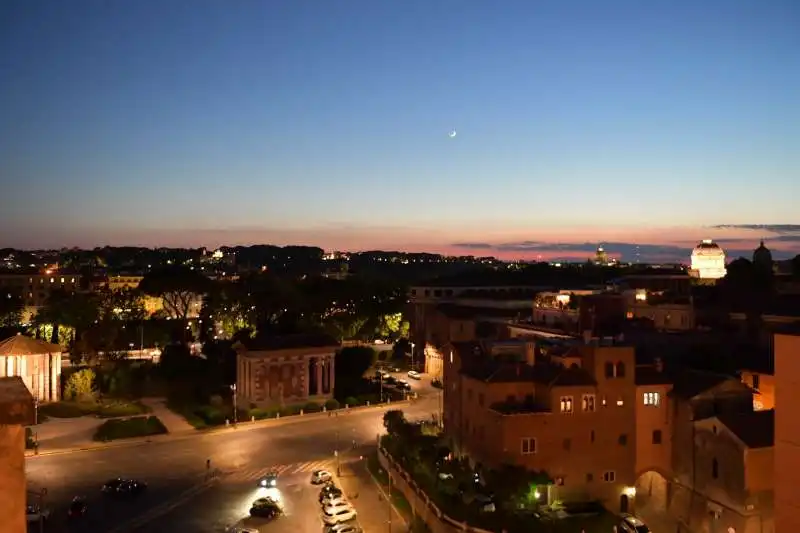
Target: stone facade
16	411
38	363
279	377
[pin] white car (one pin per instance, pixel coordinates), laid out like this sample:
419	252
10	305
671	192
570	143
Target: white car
632	524
342	528
333	501
241	530
318	477
34	513
338	515
413	374
332	507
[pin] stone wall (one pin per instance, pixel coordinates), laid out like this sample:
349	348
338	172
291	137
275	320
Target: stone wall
421	505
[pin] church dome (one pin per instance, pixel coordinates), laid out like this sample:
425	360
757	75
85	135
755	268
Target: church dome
708	260
707	248
762	255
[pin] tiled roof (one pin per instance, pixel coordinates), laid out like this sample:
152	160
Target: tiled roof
22	345
288	342
755	428
495	371
465	312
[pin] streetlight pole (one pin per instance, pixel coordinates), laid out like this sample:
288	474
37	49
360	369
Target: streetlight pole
235	407
389	502
336	453
412	357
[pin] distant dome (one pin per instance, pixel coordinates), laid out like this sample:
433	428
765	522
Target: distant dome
762	256
708	260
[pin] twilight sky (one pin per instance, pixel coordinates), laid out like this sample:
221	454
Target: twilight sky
207	122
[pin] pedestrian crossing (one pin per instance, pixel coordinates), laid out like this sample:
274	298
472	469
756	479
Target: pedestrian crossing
284	470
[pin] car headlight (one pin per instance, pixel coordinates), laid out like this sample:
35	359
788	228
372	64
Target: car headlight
263	483
274	483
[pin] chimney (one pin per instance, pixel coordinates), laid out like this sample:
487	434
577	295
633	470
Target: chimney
530	353
659	364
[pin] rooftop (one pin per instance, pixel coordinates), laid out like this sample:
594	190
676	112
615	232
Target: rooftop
16	402
22	345
289	342
755	428
466	312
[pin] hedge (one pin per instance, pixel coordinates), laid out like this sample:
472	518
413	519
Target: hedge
140	426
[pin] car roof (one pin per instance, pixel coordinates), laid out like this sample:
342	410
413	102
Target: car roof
632	520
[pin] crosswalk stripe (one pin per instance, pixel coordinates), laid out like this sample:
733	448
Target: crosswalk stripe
283	470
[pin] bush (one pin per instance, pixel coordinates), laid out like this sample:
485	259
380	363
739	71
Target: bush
80	385
140	426
332	404
312	407
351	401
100	409
262	414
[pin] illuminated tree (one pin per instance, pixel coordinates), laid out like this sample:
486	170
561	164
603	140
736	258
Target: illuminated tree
179	288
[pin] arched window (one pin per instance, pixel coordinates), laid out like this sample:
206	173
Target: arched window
609	369
620	369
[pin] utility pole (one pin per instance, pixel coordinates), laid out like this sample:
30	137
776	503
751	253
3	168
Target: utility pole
381	380
235	408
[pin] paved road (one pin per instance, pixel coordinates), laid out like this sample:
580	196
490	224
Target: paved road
175	470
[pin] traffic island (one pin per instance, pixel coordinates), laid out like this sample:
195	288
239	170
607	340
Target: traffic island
140	426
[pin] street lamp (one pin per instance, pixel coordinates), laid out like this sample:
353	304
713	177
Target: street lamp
412	356
235	409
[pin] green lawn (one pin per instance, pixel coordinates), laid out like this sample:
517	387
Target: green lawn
140	426
102	409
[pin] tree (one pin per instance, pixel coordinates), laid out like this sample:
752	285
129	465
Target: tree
80	385
126	305
179	288
76	311
796	266
10	310
345	326
516	486
350	365
394	421
392	326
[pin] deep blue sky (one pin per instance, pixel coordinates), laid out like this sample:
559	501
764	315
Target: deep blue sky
134	120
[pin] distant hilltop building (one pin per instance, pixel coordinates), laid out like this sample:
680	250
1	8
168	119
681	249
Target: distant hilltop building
601	258
708	261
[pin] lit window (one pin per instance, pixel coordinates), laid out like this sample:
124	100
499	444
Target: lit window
52	280
620	402
603	401
652	398
528	446
588	403
566	404
610	476
62	280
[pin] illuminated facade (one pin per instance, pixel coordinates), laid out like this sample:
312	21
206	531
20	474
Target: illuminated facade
708	261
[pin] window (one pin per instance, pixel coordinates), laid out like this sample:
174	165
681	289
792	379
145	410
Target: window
589	478
652	398
591	436
566	404
657	436
567	444
610	476
603	401
588	403
756	381
623	440
609	370
528	446
620	402
714	469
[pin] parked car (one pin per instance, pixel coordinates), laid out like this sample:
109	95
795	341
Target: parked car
77	508
34	513
403	385
336	515
265	508
329	491
413	374
122	487
632	524
333	501
342	528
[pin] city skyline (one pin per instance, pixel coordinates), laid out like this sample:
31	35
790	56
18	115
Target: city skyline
736	240
201	124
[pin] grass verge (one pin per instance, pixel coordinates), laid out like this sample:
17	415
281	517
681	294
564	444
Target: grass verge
102	409
398	500
140	426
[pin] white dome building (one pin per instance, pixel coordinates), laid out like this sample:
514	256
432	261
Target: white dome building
708	261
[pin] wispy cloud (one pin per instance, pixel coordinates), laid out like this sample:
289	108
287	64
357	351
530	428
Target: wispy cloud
627	251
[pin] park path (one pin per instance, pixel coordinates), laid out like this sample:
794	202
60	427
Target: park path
174	422
58	433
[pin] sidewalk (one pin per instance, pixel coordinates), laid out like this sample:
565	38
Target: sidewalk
174	422
189	432
370	500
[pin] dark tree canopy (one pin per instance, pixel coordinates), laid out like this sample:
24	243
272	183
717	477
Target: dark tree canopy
177	286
